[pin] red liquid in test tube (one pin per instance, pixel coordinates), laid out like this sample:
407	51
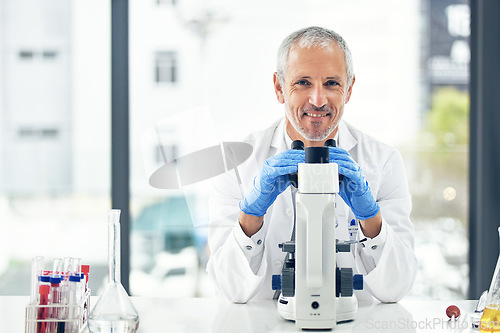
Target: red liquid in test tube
41	327
55	294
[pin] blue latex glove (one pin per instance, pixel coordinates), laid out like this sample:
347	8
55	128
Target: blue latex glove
272	181
354	189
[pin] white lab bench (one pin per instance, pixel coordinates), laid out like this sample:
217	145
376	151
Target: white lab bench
198	315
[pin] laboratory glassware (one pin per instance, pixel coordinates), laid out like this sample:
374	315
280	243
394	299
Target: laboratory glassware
114	311
490	321
36	272
43	311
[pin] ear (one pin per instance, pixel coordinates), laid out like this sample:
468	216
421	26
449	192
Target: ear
278	89
349	92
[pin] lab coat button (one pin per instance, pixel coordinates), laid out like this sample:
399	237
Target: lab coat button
249	247
288	211
374	247
278	263
259	242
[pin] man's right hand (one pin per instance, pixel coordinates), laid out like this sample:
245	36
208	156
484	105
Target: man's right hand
272	181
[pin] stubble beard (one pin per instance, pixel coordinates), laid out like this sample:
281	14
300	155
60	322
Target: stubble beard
310	135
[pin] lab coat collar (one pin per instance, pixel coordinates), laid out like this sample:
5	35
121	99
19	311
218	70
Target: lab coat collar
346	139
278	140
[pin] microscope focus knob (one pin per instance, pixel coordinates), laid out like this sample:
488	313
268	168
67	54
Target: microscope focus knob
344	282
357	282
276	282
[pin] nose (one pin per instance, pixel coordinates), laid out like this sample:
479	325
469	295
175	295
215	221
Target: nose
318	96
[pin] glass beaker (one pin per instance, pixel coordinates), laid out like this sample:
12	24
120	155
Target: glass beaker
490	321
114	311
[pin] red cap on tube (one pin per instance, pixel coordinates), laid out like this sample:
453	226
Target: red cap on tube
44	290
86	270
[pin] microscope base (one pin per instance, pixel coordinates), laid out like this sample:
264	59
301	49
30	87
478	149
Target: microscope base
346	308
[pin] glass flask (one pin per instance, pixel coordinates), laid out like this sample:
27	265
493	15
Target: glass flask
490	321
114	311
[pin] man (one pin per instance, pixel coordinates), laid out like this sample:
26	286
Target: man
314	81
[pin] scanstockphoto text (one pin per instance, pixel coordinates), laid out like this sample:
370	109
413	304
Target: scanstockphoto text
407	324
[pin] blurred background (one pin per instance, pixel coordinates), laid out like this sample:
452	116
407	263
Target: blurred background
209	64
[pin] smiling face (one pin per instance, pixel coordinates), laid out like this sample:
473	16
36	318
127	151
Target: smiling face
314	92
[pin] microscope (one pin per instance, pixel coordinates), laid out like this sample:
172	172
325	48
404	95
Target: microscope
314	292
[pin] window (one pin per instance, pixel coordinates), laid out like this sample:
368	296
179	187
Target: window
166	67
49	54
37	133
44	55
166	2
218	59
26	55
54	139
227	65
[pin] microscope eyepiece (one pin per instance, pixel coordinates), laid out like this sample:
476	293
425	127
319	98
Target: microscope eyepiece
298	145
330	143
317	155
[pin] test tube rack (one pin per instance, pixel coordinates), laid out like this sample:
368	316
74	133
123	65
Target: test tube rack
41	318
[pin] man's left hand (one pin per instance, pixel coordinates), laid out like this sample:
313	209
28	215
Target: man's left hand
354	189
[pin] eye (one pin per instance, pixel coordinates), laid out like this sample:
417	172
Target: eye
302	83
331	83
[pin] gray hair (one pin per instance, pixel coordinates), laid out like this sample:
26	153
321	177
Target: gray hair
313	36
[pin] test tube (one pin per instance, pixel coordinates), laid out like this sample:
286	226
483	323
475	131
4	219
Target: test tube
66	267
55	299
76	270
75	266
57	268
36	271
64	313
43	280
85	284
74	281
42	311
85	271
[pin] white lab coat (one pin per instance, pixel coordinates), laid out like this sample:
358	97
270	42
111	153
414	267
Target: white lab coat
241	267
